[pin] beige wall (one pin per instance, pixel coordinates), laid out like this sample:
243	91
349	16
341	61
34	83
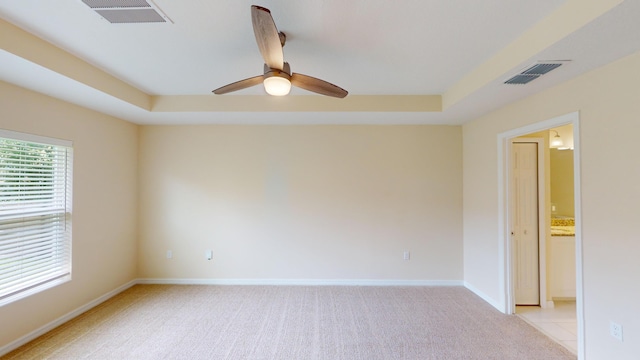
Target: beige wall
607	100
301	202
104	204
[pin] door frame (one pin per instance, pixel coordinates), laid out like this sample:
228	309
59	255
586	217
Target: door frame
542	224
507	298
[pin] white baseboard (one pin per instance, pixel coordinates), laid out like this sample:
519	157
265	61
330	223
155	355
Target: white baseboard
484	297
310	282
63	319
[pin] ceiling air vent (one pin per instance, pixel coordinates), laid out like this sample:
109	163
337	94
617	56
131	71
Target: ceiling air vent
128	11
521	79
533	72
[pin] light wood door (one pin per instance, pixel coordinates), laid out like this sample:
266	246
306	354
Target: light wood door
525	223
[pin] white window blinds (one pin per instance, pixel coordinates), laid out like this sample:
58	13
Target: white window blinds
35	214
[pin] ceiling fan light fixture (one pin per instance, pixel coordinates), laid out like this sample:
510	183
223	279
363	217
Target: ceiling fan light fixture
277	77
277	84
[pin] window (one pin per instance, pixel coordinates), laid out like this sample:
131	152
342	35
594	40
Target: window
35	214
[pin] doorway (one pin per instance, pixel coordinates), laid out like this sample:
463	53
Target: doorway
506	246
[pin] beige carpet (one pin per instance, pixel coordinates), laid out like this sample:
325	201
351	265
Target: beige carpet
293	322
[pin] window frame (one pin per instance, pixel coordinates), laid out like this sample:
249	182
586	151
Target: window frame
64	257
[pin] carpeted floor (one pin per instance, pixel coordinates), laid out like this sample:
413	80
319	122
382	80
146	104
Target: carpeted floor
293	322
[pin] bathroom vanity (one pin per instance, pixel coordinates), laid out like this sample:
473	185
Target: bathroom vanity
563	259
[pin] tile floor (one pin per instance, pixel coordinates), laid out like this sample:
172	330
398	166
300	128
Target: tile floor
559	322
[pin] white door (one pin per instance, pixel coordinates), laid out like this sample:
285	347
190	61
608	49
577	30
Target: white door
525	222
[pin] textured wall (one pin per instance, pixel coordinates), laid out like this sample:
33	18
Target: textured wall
301	202
104	204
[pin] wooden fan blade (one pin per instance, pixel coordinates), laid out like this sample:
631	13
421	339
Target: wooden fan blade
267	37
317	86
239	85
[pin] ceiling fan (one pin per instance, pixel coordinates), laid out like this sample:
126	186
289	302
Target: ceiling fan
277	77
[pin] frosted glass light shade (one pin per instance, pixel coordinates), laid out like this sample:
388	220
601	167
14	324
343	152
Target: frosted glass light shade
556	141
277	86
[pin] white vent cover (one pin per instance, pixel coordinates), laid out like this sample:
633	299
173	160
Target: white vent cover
128	11
533	72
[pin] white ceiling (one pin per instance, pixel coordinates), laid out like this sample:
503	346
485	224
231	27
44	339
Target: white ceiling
369	47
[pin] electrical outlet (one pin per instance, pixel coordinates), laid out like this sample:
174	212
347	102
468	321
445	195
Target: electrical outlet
169	254
616	330
406	255
208	254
